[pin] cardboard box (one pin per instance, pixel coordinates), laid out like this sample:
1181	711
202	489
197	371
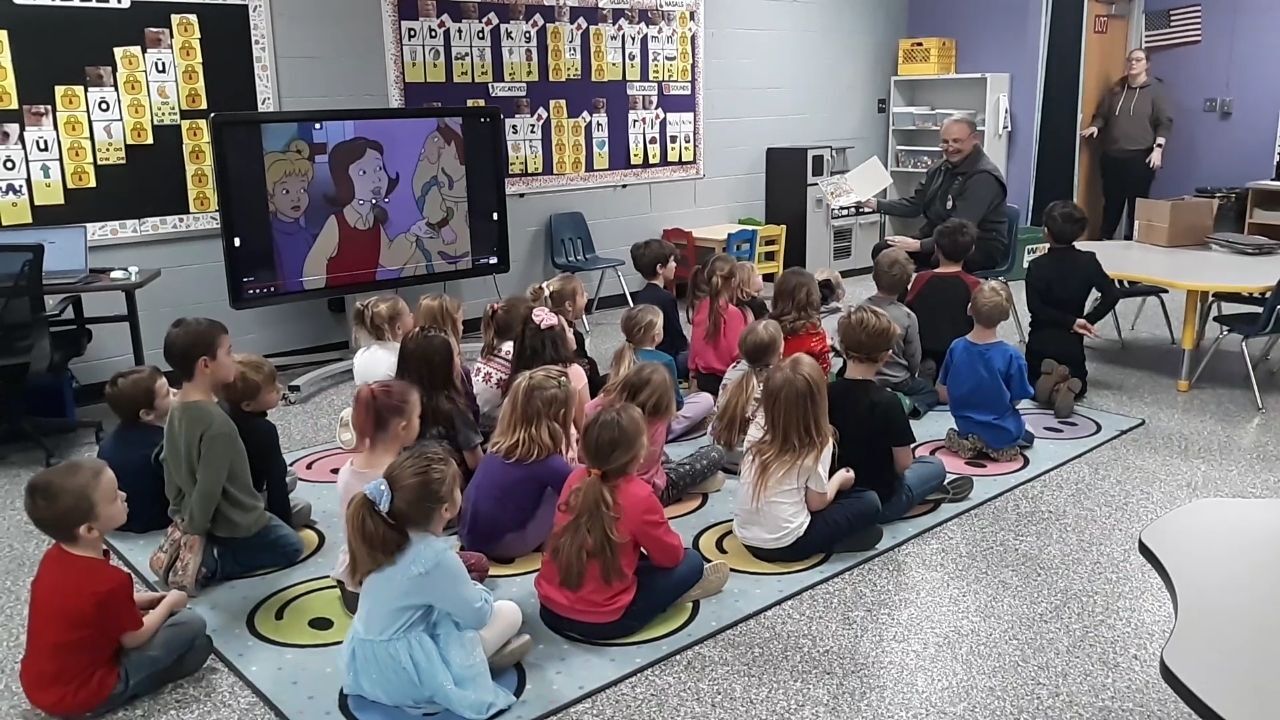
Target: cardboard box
1176	222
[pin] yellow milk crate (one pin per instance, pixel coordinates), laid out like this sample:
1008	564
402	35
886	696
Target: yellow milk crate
927	56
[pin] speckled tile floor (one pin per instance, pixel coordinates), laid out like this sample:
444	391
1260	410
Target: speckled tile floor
1036	605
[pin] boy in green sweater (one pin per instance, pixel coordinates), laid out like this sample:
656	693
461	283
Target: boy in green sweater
221	528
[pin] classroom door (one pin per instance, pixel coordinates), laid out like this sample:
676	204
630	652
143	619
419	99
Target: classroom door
1106	43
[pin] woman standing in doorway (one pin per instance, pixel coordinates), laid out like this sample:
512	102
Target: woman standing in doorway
1133	122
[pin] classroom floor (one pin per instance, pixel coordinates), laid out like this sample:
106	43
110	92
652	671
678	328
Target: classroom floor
1035	605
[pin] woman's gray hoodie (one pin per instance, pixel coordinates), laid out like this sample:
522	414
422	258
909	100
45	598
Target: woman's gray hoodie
1131	118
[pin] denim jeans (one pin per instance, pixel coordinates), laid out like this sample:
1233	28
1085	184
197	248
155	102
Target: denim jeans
925	476
657	589
274	546
921	393
178	649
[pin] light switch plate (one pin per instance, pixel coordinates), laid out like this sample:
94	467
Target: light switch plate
1226	105
1211	105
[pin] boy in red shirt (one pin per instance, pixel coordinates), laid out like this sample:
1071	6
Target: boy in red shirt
93	645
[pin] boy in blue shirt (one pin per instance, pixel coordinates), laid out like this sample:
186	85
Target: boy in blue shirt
983	379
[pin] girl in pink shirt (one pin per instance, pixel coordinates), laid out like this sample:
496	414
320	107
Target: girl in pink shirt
717	325
648	386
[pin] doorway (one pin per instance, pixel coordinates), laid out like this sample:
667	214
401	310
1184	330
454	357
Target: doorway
1106	42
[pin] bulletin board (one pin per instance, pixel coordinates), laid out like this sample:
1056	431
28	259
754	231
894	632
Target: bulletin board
104	108
593	92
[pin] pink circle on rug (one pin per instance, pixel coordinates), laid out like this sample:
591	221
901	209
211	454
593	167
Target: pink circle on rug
977	467
323	466
1045	426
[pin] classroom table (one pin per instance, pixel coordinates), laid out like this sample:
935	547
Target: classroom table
99	282
1198	270
1217	558
714	236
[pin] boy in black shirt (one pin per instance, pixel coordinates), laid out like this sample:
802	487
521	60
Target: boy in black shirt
940	298
254	392
655	260
875	437
1058	286
140	397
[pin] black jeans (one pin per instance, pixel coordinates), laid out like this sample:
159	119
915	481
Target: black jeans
1125	178
850	512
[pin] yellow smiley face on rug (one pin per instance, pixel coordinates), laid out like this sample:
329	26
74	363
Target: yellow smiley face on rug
526	565
671	622
718	542
685	506
308	614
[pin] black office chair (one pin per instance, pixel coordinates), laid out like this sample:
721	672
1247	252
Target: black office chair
1131	290
1014	216
28	348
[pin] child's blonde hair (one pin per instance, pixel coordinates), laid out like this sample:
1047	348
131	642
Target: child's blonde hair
376	319
649	387
442	312
254	374
293	162
537	416
501	322
796	429
892	272
866	333
613	442
797	304
558	293
640	327
835	280
990	304
722	290
745	274
760	347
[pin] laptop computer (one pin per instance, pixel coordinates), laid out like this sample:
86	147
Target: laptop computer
66	251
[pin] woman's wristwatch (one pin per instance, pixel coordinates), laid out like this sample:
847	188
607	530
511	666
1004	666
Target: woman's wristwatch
1160	145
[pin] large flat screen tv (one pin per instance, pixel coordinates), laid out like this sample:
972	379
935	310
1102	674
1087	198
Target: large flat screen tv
340	202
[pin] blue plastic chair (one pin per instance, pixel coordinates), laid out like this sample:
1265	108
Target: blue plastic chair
741	245
1014	216
572	250
1248	325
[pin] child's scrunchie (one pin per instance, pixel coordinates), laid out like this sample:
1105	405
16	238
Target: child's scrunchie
380	493
594	473
545	317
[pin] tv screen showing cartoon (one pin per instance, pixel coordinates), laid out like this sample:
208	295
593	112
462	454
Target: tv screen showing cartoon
318	204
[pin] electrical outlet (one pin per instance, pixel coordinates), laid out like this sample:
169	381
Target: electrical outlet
1211	104
1226	105
882	106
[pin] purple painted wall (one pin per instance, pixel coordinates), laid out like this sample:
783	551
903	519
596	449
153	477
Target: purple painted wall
1235	59
995	36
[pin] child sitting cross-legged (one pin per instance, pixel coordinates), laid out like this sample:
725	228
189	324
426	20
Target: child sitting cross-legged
221	528
789	505
656	261
93	645
650	388
254	393
426	636
378	325
501	322
875	437
565	295
717	325
750	285
983	379
901	372
641	334
545	338
940	298
797	307
510	503
429	359
761	349
613	563
385	419
140	397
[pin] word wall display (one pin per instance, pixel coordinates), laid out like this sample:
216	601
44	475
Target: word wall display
593	92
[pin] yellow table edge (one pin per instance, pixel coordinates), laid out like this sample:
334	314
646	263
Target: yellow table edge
1190	287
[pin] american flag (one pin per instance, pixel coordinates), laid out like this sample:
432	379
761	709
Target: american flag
1177	26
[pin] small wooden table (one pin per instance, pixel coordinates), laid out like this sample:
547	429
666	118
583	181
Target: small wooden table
713	236
1199	270
1218	561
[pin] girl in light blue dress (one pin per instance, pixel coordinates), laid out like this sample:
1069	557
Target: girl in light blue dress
426	636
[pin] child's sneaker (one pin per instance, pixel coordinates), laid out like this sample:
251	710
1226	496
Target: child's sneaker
185	575
477	565
714	576
953	490
966	446
1064	398
710	485
162	559
1051	376
301	511
512	652
346	434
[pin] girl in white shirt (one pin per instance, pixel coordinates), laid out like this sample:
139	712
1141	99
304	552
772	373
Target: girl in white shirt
379	323
788	507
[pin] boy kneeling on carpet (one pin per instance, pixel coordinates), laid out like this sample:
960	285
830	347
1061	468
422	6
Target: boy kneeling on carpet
221	527
93	645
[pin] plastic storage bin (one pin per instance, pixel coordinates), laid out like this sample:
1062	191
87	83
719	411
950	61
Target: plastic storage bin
911	157
905	117
944	114
924	119
927	56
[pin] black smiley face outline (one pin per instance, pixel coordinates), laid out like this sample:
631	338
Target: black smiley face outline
320	624
699	501
975	467
724	528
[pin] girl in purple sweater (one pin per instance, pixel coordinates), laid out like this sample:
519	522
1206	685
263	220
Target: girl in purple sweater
509	506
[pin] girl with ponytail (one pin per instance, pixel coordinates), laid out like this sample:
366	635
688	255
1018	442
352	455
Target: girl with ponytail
641	334
567	296
426	636
384	418
761	349
498	327
594	584
379	323
717	325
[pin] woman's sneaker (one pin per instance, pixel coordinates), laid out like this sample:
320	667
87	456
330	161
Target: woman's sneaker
714	576
511	653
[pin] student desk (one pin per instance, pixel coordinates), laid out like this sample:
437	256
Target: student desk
1217	559
713	236
100	283
1198	270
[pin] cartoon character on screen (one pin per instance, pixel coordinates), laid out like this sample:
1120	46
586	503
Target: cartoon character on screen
353	243
440	187
288	175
